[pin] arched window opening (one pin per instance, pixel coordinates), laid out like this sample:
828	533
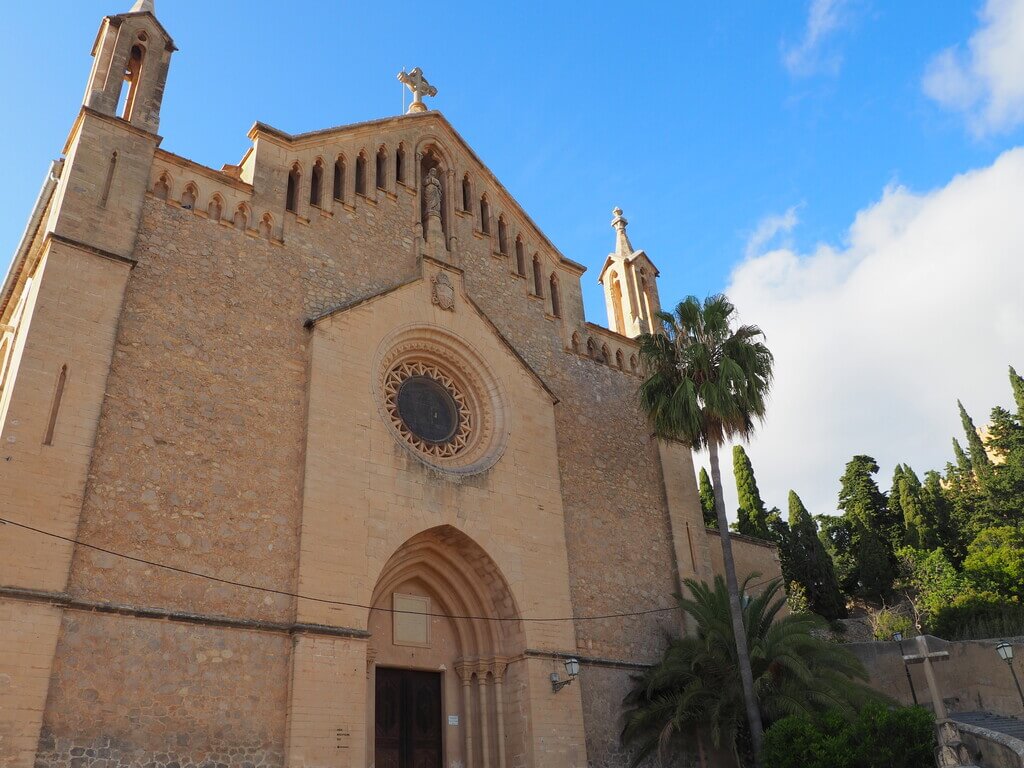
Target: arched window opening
188	197
576	342
620	324
591	348
133	75
556	300
538	284
163	187
400	164
502	236
291	202
605	354
266	226
633	363
382	168
467	194
339	179
431	160
316	183
620	360
241	219
58	395
361	174
520	257
214	209
485	216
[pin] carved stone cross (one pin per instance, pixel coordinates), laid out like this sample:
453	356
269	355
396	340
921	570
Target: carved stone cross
417	83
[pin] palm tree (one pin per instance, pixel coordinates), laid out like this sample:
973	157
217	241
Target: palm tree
695	690
706	383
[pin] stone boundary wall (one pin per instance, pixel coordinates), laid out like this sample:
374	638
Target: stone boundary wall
991	749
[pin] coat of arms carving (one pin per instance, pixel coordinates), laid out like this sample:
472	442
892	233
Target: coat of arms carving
443	291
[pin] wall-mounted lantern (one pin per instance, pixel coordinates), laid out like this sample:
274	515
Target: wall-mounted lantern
1005	651
572	668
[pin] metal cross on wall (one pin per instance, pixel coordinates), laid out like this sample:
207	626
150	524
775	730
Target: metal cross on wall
417	83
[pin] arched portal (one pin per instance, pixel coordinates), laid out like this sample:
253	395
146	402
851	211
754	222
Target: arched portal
443	627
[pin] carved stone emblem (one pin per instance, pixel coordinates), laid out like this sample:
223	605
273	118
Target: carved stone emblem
444	291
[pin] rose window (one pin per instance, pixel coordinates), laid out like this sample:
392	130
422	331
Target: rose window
428	409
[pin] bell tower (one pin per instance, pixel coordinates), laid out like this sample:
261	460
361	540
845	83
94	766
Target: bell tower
630	286
131	56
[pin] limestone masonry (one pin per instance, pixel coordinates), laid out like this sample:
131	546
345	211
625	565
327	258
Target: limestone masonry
346	393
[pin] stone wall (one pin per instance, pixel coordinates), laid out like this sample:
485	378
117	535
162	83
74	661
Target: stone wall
973	679
751	556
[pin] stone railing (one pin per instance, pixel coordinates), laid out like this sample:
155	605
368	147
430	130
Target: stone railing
991	749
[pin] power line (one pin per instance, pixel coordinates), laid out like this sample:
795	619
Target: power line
325	600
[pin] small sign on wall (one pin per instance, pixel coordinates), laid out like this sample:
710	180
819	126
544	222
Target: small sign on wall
453	719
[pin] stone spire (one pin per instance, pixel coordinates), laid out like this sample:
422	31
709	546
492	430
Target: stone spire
143	6
623	248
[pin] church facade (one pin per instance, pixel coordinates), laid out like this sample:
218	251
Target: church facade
314	460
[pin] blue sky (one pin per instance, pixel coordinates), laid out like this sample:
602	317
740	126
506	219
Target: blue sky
701	120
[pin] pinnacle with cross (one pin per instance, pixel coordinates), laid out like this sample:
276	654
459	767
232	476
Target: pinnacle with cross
417	83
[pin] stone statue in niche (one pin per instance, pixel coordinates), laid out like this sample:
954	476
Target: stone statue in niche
432	193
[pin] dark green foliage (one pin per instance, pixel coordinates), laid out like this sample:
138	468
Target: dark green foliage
978	617
1017	385
879	737
995	562
752	515
707	500
979	458
871	528
695	690
810	564
918	528
1003	486
938	511
836	535
875	568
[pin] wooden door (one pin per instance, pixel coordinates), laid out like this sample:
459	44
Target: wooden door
407	723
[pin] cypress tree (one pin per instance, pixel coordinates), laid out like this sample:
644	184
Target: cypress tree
894	501
937	510
963	463
810	565
979	458
1017	383
918	528
753	516
707	500
871	527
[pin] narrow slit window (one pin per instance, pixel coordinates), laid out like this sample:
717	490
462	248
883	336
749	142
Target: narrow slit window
400	165
485	216
467	194
110	179
316	184
339	179
58	395
382	168
502	236
538	286
292	198
361	174
133	74
556	300
520	257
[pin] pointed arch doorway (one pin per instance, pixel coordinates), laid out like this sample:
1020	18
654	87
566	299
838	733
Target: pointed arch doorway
443	625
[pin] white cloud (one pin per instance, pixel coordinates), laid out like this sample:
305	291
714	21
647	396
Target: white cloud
986	81
769	228
809	56
875	339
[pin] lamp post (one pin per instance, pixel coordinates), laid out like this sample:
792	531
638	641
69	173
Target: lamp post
898	637
1005	651
572	668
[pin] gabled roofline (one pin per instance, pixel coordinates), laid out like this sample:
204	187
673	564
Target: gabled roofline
341	308
262	129
631	258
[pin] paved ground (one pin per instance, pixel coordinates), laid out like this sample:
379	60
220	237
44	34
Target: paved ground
1011	726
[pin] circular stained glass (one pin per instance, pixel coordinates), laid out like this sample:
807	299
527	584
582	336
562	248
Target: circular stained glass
428	409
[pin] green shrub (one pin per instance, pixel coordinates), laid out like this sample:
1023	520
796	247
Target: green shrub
888	622
977	617
879	737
